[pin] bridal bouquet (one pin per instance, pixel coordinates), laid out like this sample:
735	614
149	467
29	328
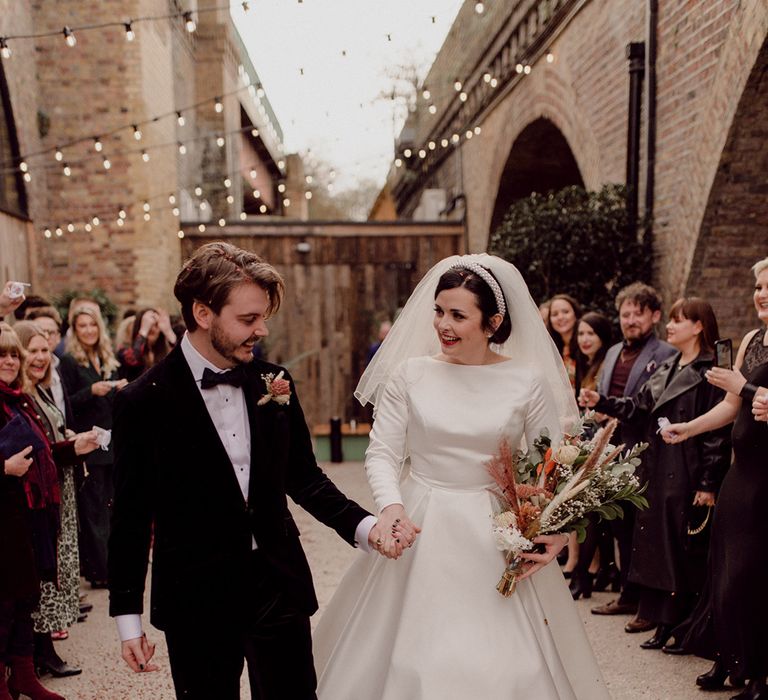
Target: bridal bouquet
548	489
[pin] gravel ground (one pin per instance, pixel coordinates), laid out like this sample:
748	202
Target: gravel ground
631	673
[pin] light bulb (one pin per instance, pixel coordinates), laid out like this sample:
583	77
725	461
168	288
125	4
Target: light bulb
88	228
47	233
308	195
180	119
67	170
220	142
431	145
257	194
263	209
69	37
494	82
227	182
407	152
479	8
59	156
180	233
243	216
432	109
136	132
222	222
469	134
203	206
519	68
6	52
260	92
27	177
230	199
145	156
457	86
189	22
146	206
95	221
120	222
281	164
550	57
398	163
308	179
71	228
121	214
527	70
463	96
147	216
444	143
218	107
426	94
129	34
455	138
171	199
59	232
487	77
182	149
23	166
478	130
201	228
107	165
198	191
254	132
97	145
286	202
253	174
281	188
422	153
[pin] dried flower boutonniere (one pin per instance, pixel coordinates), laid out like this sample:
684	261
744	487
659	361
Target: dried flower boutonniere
278	389
650	368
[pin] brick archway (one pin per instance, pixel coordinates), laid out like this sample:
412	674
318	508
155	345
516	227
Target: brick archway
540	161
733	233
548	96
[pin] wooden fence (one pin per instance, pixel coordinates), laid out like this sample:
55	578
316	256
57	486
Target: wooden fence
342	279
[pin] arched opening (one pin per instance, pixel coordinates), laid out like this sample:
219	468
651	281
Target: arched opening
540	160
733	234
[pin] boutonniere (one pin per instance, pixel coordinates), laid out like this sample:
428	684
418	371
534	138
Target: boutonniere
650	368
278	389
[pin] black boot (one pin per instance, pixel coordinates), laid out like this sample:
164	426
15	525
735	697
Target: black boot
48	661
659	639
755	690
607	576
581	585
714	679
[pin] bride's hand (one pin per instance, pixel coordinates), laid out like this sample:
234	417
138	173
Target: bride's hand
397	531
552	546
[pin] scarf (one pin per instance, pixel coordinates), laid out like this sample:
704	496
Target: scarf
41	482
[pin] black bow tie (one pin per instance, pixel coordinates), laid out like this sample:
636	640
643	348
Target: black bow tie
233	377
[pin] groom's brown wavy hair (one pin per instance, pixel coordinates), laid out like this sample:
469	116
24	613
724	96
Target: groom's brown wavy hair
217	268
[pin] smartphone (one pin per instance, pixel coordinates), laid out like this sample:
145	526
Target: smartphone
724	353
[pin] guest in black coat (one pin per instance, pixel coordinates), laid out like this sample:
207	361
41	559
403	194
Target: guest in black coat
89	371
671	537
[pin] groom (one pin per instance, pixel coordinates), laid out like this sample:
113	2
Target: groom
208	444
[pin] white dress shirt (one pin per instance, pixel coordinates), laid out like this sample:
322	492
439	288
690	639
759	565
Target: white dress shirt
229	414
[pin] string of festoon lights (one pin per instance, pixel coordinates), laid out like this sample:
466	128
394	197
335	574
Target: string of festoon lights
97	216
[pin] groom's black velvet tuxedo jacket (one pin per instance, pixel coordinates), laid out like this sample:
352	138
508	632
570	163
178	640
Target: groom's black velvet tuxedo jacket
172	471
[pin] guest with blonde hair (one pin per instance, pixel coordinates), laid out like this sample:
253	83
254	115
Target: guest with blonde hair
89	371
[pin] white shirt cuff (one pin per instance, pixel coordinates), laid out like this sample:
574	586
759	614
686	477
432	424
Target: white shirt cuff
128	627
363	530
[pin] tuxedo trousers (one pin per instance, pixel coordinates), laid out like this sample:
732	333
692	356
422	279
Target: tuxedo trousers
270	635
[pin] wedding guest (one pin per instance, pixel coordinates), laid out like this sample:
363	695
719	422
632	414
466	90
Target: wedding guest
59	605
76	303
627	366
48	320
124	333
384	328
31	302
671	540
594	335
730	622
564	313
29	520
151	340
469	362
89	371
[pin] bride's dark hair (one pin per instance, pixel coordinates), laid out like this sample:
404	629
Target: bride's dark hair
486	299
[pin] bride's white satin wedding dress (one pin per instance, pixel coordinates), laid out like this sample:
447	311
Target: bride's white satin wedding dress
431	625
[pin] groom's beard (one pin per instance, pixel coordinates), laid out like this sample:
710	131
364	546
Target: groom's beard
234	350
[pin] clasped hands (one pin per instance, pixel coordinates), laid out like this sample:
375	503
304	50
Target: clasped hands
393	532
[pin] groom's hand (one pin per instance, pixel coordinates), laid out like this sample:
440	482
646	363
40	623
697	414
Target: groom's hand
137	653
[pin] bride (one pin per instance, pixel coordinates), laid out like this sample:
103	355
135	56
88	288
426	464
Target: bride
467	363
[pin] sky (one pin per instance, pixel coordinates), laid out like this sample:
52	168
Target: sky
326	64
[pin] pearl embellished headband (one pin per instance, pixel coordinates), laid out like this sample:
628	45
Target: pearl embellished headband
490	280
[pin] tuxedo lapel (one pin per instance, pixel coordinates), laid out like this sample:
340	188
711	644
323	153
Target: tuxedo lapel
260	420
192	415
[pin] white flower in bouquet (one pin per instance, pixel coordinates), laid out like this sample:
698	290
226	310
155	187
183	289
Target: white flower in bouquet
505	519
511	539
567	454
